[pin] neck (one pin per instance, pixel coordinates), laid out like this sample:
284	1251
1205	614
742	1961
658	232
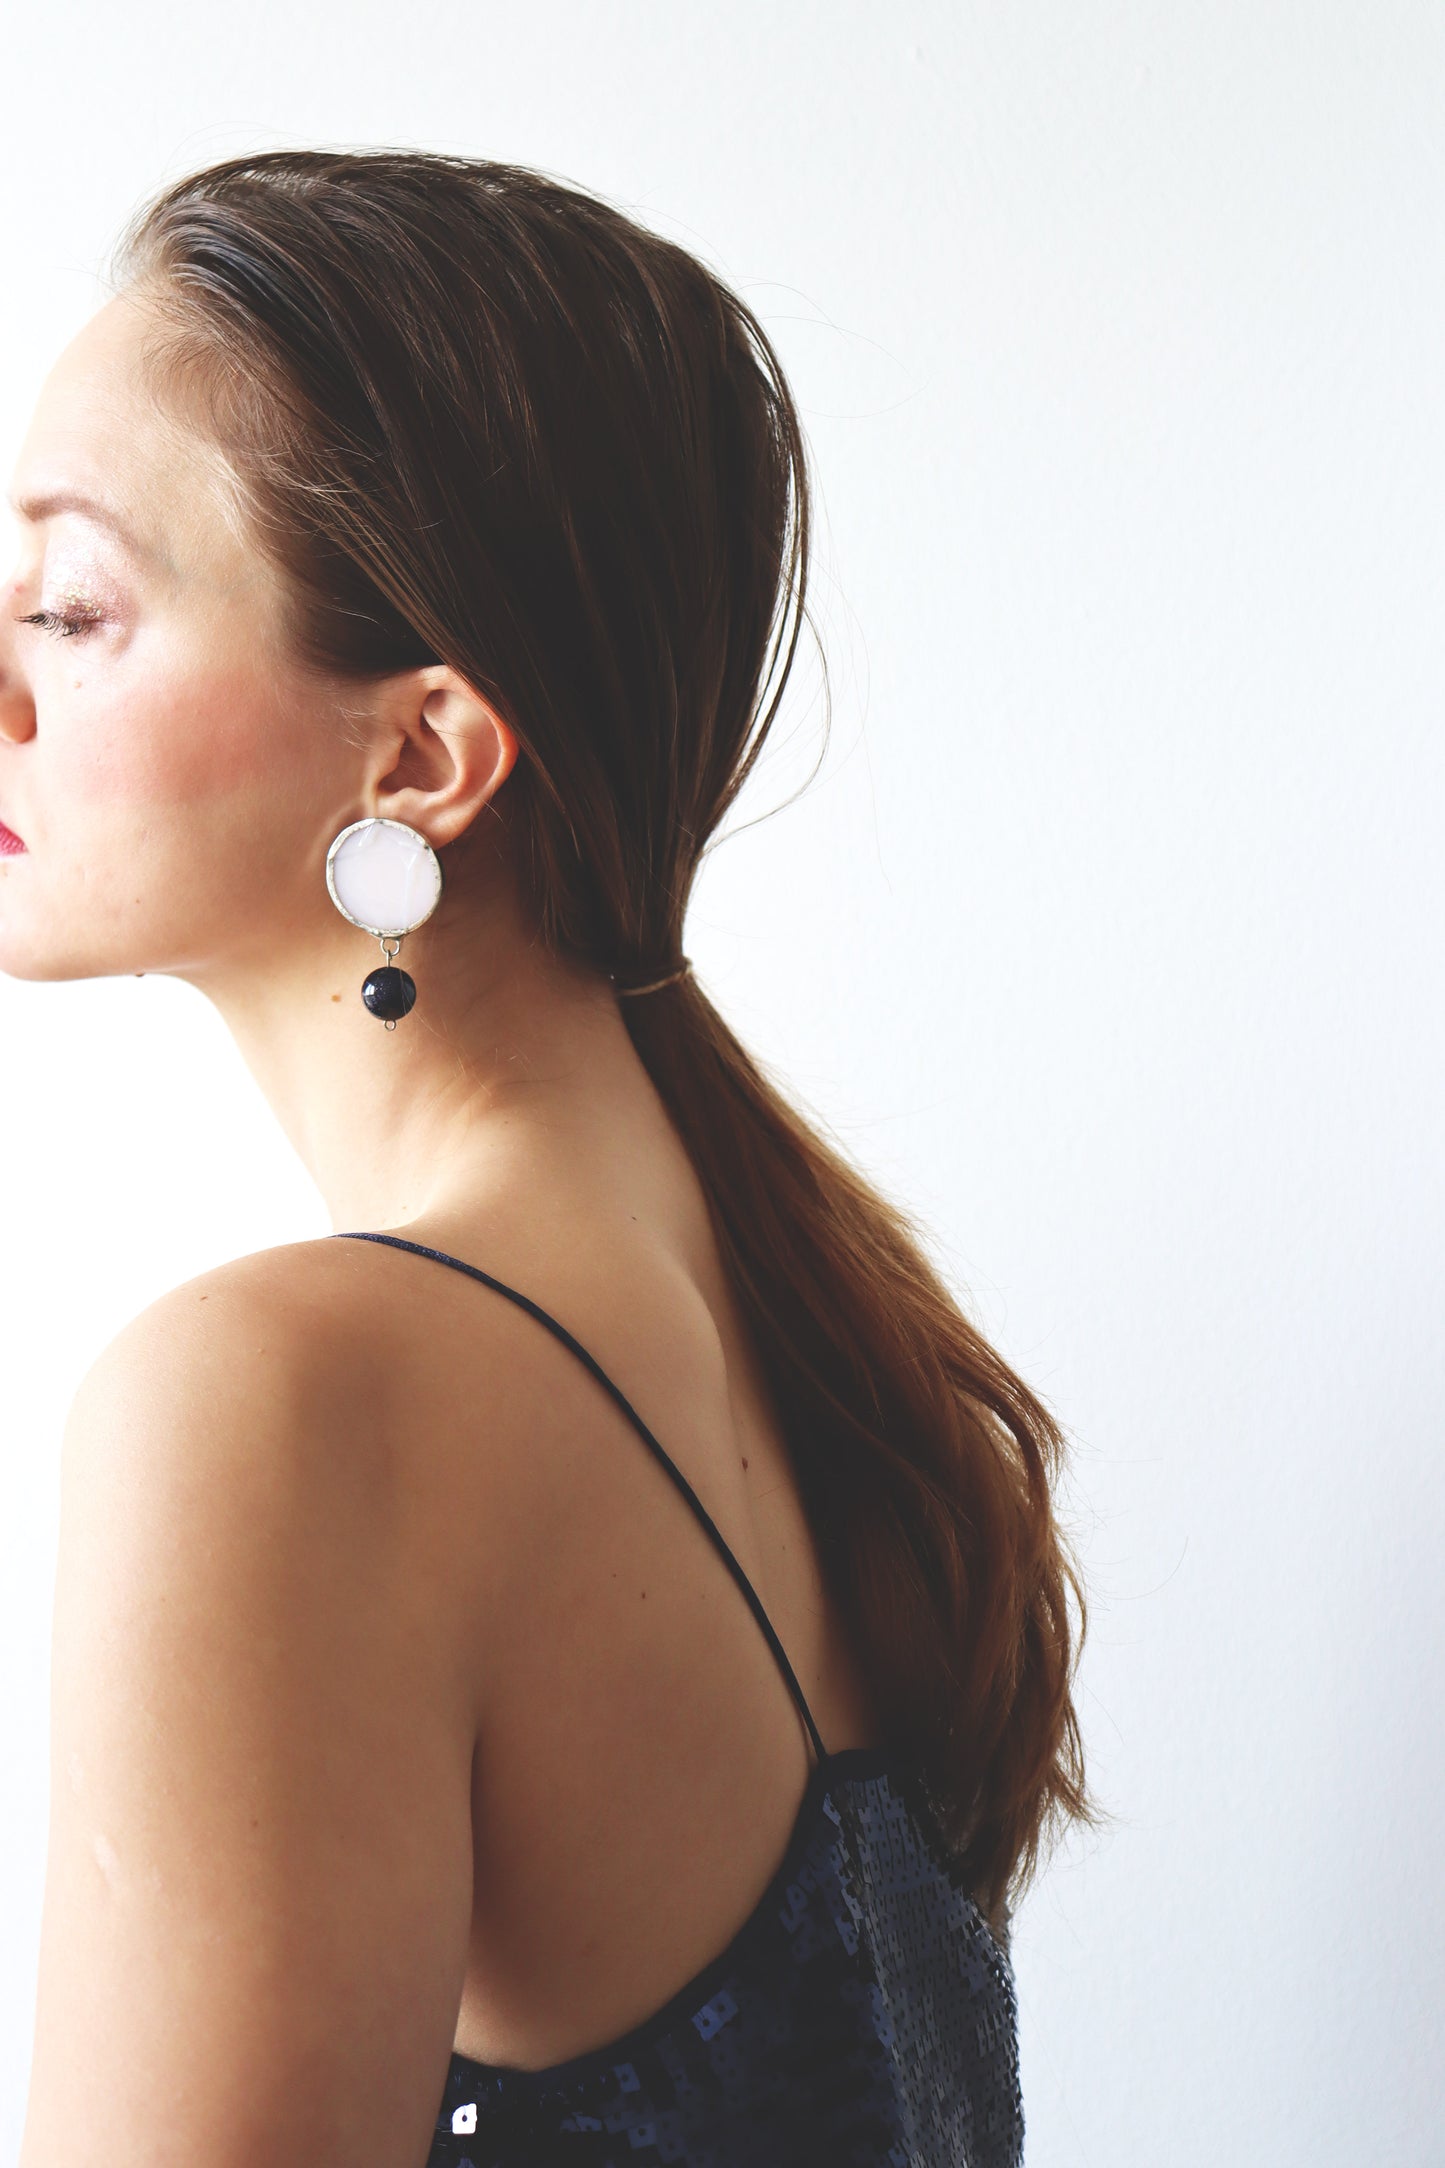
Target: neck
512	1067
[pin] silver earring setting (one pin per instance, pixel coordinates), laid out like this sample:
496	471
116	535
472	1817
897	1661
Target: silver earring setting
385	878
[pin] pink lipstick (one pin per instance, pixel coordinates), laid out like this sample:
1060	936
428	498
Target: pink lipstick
10	844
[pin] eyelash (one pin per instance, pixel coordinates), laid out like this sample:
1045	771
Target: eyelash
64	628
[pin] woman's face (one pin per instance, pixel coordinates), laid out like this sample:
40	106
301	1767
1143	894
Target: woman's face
171	776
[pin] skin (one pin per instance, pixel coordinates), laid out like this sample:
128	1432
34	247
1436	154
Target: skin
398	1702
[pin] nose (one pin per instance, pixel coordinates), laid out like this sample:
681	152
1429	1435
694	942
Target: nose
17	706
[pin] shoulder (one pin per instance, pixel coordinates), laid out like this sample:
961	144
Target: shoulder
296	1304
280	1416
262	1734
238	1419
287	1350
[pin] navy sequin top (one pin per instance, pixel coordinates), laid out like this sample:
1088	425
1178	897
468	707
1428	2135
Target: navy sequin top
862	2017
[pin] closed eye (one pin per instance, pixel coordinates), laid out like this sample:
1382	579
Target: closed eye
64	628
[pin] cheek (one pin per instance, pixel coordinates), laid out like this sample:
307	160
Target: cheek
179	742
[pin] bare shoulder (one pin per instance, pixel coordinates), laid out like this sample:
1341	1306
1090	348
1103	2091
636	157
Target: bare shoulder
249	1416
298	1347
284	1392
262	1742
360	1404
263	1317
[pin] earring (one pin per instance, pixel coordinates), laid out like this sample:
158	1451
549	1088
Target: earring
385	878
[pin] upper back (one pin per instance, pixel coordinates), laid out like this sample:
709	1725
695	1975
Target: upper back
686	1933
633	1729
754	1928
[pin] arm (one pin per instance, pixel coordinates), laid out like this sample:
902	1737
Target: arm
258	1883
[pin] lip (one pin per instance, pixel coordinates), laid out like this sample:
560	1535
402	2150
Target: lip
10	844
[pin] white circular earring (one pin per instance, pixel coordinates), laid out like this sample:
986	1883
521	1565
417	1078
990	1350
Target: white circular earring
385	878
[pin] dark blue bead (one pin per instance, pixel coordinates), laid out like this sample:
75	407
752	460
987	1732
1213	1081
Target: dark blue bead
389	992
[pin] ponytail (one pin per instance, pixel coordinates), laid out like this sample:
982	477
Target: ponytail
925	1465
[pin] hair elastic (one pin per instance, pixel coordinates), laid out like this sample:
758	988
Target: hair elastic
652	985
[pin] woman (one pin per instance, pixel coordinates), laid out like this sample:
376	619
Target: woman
592	1650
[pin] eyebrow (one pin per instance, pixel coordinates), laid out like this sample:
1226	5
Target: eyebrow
74	500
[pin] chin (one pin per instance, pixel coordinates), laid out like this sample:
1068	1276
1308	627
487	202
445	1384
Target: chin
42	970
70	922
45	959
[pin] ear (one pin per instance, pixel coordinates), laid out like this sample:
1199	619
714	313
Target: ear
442	752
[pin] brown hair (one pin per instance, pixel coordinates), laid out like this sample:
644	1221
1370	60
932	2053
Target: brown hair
479	416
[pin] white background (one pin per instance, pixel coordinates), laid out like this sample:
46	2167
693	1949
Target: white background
1110	936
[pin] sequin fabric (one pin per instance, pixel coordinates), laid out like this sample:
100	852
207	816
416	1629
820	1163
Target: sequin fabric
864	2016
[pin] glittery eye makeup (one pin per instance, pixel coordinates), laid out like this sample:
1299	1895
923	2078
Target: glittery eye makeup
72	606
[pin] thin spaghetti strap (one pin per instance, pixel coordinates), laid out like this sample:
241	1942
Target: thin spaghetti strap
710	1527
